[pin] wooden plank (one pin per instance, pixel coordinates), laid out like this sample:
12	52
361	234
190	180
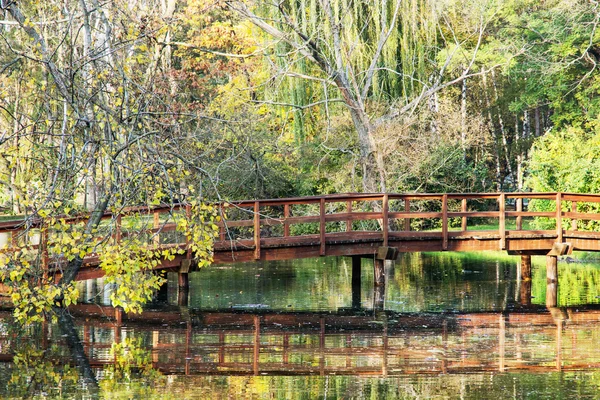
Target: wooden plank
583	216
559	230
322	226
471	214
385	223
581	197
574	220
463	208
548	214
402	215
118	229
445	222
257	230
502	222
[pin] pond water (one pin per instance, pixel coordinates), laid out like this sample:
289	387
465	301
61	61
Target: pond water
451	326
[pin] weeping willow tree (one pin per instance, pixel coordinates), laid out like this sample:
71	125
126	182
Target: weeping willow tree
377	58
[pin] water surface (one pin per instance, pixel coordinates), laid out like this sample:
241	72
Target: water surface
451	326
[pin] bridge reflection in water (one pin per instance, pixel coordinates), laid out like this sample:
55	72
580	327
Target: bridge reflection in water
348	342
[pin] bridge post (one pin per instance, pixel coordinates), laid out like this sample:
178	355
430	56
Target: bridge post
183	284
356	281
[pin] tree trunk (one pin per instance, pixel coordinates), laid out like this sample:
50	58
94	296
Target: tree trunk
371	161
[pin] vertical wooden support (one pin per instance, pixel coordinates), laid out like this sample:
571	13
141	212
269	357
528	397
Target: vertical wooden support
118	229
385	217
525	293
221	347
502	220
155	337
559	335
322	225
349	220
286	224
445	346
406	210
14	238
574	221
188	351
551	268
463	221
519	218
183	283
559	230
256	343
222	223
356	281
286	347
384	362
502	344
525	268
445	222
118	324
322	347
257	230
155	225
44	249
188	216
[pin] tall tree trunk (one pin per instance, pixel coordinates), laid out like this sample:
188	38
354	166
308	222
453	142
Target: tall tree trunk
463	117
502	129
495	135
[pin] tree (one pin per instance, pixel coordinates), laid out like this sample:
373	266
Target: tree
89	123
373	57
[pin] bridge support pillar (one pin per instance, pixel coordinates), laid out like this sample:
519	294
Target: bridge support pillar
525	293
183	288
525	268
356	281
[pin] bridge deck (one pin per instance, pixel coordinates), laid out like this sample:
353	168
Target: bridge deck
358	224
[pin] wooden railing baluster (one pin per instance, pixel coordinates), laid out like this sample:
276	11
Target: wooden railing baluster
519	218
502	220
222	223
155	225
322	225
257	230
559	231
574	221
349	220
407	220
286	224
463	221
445	221
385	224
118	229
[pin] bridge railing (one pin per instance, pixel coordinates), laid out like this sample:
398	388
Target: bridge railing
383	217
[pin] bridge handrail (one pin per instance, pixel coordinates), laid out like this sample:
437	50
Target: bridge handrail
378	209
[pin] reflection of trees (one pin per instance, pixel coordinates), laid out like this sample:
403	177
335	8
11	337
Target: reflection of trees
441	281
579	283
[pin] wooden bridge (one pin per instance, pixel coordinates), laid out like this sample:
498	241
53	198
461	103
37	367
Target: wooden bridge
361	225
